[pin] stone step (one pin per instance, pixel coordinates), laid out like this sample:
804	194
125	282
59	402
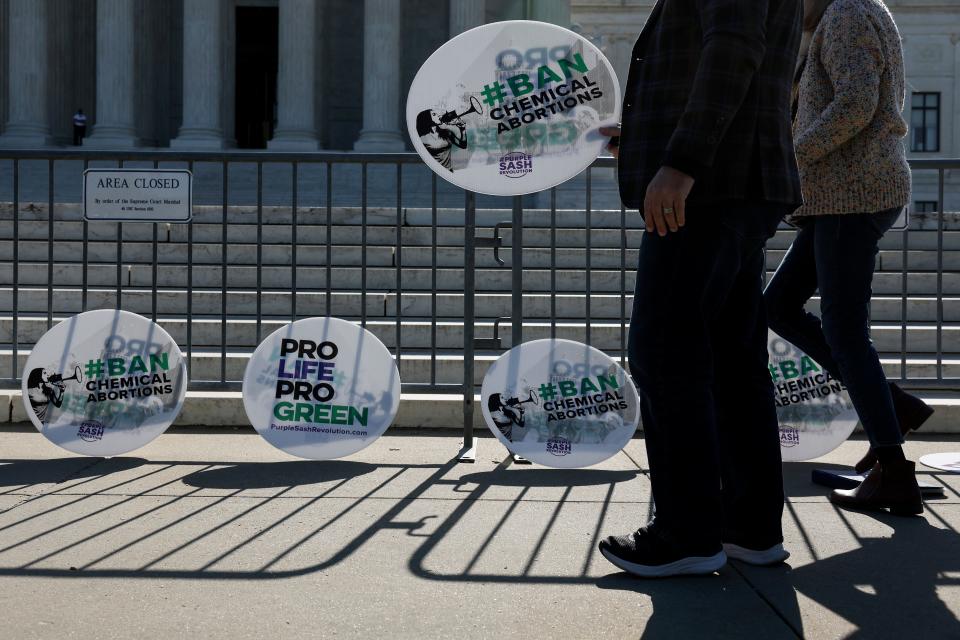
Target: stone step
386	236
69	255
613	276
180	253
447	303
351	279
206	330
313	233
241	334
433	411
424	411
352	215
537	225
417	368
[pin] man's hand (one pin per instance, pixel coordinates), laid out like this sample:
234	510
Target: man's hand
664	204
614	145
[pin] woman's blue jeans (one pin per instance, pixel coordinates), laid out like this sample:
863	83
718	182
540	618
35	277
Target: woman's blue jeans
837	255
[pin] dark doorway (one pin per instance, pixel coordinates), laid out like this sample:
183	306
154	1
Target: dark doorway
257	53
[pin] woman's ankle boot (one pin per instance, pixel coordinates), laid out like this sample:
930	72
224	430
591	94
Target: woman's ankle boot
891	485
911	411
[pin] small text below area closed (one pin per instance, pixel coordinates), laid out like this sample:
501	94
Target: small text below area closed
138	195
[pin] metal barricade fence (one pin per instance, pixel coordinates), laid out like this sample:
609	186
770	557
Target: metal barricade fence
378	239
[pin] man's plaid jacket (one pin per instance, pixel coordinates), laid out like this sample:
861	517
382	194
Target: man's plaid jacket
709	94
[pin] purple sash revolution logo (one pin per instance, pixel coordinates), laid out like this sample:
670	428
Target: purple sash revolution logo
516	164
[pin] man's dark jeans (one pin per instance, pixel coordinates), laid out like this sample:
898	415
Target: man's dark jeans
698	353
837	254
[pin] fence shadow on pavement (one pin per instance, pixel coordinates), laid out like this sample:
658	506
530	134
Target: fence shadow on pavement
129	518
16	475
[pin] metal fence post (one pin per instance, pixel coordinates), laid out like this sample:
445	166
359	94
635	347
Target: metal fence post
468	453
516	278
516	273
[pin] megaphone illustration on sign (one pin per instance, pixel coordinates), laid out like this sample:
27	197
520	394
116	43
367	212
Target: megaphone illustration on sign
58	378
451	116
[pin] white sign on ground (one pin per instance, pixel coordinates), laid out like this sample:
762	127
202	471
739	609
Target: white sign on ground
814	409
321	388
560	403
138	195
104	383
942	461
513	107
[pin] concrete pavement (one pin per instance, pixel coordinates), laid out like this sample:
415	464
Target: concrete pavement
215	534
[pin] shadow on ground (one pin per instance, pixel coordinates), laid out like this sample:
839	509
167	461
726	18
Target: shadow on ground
265	475
24	473
886	587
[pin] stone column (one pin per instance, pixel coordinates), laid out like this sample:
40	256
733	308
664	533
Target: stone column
465	15
381	78
116	60
955	151
4	86
202	126
27	123
554	11
296	78
229	106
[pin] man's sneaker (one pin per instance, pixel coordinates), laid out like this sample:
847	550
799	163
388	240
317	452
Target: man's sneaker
760	557
650	554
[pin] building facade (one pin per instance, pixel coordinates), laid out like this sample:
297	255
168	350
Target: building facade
213	74
332	74
931	41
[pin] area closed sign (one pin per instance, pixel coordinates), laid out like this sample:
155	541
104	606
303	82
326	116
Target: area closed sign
138	195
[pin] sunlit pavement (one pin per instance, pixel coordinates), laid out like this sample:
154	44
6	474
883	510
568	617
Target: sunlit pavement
216	534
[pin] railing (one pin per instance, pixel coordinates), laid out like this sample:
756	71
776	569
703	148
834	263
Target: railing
374	238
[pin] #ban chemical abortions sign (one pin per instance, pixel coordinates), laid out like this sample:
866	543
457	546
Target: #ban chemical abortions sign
321	388
560	403
104	383
814	409
513	107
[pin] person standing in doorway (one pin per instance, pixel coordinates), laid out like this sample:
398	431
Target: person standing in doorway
79	127
706	153
856	182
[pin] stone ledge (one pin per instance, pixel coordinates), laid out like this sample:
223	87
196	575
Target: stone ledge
417	411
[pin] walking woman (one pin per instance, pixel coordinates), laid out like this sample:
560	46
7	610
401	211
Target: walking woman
849	133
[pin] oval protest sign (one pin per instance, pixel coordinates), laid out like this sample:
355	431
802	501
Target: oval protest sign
513	107
321	388
104	383
560	403
814	409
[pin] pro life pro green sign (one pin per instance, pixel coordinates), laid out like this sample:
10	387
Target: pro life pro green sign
321	388
512	107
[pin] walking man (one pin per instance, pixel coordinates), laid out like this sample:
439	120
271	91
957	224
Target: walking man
79	127
706	154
